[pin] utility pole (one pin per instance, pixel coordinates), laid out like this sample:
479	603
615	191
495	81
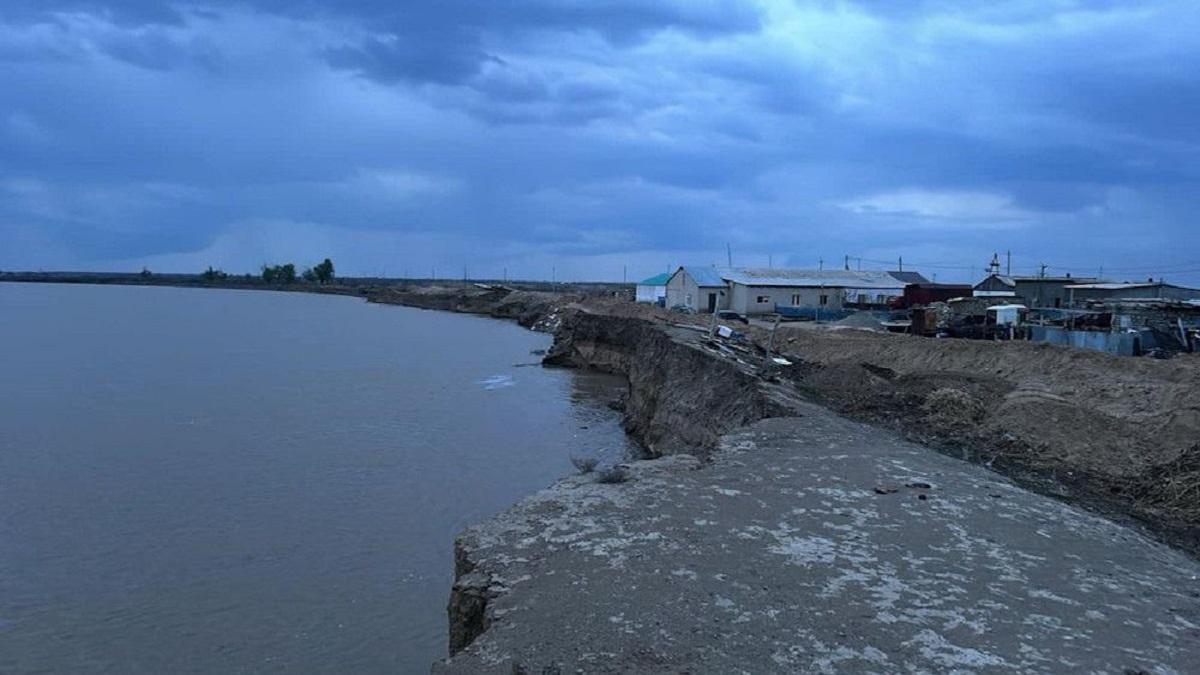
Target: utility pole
766	362
1008	264
821	264
901	263
506	275
846	263
728	255
553	275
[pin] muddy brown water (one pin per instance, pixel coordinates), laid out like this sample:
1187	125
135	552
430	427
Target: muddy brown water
236	481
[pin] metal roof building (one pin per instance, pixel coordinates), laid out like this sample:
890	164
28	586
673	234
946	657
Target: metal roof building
764	290
1142	290
698	288
820	278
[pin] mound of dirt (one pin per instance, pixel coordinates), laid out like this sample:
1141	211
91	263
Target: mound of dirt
1173	487
951	409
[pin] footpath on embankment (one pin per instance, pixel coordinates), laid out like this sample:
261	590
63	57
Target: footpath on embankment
815	544
770	531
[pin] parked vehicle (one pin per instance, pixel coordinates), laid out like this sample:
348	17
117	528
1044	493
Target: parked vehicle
730	315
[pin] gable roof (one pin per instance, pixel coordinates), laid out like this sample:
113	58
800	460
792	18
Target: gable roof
910	277
703	276
1129	286
656	280
1006	281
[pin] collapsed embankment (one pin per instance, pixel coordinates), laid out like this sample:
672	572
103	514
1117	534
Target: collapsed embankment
680	399
1107	432
1116	434
538	310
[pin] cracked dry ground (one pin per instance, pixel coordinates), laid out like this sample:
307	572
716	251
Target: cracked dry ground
811	543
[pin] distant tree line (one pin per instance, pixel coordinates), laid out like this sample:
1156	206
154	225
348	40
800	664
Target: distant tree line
279	274
321	273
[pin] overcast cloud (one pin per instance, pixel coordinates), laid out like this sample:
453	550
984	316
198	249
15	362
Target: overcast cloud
587	137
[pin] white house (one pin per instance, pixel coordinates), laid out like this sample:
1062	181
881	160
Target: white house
699	288
654	289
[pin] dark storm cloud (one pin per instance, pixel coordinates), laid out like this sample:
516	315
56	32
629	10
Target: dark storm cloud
444	42
122	12
579	134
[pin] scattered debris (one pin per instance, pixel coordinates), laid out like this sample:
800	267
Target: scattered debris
585	464
952	408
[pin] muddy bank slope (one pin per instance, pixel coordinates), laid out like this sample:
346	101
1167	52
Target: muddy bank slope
680	399
538	310
1117	434
1112	433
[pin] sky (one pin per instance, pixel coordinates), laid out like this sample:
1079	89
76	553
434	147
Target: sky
601	140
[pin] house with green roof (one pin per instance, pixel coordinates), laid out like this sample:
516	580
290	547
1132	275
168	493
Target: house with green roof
654	289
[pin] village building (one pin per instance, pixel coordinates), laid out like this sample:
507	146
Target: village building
697	288
1048	291
1081	293
653	290
1035	291
996	285
765	291
751	291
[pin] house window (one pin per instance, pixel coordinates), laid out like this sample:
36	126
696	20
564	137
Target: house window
795	299
824	300
763	299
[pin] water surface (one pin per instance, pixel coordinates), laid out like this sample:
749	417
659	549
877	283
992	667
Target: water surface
237	481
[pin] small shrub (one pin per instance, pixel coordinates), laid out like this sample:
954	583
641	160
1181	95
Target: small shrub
612	475
585	464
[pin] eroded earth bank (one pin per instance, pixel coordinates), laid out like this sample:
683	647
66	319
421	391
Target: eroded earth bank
820	516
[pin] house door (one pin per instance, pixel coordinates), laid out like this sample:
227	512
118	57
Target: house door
712	302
